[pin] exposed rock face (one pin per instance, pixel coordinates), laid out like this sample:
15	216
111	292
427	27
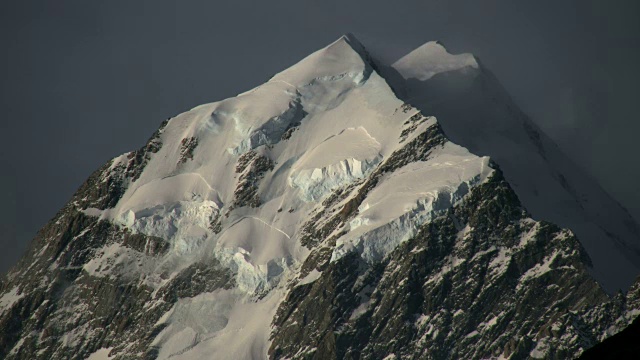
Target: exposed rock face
484	270
314	217
188	145
251	169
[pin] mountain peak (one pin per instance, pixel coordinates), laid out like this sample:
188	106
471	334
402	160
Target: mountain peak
350	39
322	189
345	56
430	59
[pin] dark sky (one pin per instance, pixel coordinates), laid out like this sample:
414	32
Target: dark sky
83	81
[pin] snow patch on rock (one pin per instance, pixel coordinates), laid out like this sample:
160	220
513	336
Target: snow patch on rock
311	277
9	298
115	260
101	354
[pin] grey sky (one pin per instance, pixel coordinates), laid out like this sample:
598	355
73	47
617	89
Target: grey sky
85	81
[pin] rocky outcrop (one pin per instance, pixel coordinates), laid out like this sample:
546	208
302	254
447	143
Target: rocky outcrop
104	188
187	146
251	168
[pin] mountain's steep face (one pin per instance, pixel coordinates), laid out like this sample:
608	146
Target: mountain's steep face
315	216
482	279
477	113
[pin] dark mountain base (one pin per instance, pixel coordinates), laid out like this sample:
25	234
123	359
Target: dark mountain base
624	345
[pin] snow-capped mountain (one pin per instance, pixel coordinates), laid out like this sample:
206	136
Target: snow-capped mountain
329	214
